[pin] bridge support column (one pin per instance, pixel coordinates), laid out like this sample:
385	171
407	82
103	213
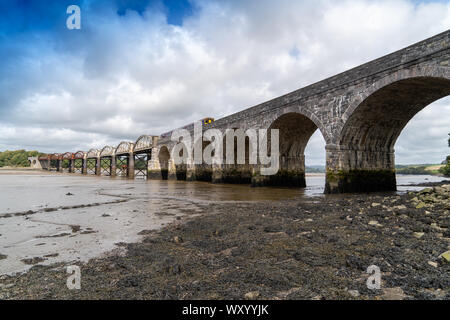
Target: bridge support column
350	170
131	166
113	166
237	174
154	168
45	164
98	170
84	168
291	173
190	171
181	171
172	170
217	173
59	165
203	172
71	166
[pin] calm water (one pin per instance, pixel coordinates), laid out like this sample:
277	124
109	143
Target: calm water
108	211
22	191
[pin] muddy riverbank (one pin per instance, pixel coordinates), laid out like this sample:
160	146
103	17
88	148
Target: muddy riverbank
314	248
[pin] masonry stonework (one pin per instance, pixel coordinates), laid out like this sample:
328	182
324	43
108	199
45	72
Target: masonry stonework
360	114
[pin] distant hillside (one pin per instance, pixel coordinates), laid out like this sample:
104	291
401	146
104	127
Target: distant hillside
418	169
18	158
315	169
433	169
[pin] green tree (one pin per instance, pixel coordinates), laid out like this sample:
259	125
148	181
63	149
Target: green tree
18	158
445	170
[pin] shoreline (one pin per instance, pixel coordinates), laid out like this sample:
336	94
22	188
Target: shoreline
317	248
47	218
21	169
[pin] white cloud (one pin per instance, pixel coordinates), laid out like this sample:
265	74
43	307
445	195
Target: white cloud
125	76
424	139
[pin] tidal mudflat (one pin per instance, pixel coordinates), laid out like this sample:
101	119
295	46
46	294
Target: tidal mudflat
50	217
177	240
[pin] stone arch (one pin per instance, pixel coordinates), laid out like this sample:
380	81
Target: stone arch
364	149
307	112
164	157
180	168
415	72
378	120
295	130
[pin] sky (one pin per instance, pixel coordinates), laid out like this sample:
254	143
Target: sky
146	67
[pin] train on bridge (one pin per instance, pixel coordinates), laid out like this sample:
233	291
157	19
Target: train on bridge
189	127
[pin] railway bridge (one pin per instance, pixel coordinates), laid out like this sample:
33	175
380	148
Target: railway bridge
360	114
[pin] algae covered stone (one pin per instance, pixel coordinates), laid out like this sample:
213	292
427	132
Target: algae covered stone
445	256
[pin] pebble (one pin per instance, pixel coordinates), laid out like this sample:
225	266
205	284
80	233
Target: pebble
420	205
252	295
426	191
354	293
376	204
393	294
418	235
445	256
375	223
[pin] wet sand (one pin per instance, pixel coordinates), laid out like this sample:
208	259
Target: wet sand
75	218
52	217
214	245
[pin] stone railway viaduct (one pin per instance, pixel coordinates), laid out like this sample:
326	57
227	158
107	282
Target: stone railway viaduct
360	113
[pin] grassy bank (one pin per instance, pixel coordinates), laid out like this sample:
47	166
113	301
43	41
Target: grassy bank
432	169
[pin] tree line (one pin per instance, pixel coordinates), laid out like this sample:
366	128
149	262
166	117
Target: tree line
17	158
